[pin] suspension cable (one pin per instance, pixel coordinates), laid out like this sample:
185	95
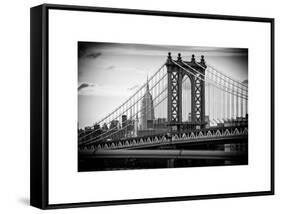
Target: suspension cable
90	141
100	128
230	82
205	80
226	75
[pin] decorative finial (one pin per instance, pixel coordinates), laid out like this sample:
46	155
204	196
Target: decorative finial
202	59
169	55
179	56
169	59
193	58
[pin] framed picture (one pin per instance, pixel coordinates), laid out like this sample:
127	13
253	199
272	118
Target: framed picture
135	106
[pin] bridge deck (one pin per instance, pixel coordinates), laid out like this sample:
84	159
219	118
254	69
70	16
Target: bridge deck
164	154
211	136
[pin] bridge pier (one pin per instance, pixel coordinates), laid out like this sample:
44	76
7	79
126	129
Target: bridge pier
176	71
171	163
238	147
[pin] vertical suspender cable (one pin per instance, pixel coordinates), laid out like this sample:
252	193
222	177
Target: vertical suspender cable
209	97
242	104
227	102
237	103
224	101
233	104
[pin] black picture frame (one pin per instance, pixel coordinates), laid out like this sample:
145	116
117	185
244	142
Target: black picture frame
39	152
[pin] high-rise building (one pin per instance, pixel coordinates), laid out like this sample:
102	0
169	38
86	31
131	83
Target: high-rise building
136	126
114	124
124	121
147	109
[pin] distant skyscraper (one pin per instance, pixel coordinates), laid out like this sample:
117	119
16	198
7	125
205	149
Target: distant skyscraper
147	109
124	121
136	126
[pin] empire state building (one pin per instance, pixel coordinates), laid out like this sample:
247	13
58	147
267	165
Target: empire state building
147	110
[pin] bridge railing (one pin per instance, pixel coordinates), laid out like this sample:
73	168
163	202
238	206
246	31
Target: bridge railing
179	137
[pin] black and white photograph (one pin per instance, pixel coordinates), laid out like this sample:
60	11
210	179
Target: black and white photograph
149	106
132	106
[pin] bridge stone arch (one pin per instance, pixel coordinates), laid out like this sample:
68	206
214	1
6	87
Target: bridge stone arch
176	72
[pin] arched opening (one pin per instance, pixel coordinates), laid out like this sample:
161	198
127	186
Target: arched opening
186	99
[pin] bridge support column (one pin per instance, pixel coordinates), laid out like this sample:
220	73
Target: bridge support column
171	163
174	92
238	147
196	73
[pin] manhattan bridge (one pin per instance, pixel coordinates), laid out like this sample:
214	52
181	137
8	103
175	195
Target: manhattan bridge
186	112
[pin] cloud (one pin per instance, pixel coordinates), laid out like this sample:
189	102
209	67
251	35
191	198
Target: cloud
85	85
160	50
133	87
104	90
93	55
85	50
82	49
110	67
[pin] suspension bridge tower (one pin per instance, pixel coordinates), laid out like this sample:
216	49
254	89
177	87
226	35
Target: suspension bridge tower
195	71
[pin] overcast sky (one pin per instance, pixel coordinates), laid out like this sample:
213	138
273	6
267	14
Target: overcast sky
108	73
